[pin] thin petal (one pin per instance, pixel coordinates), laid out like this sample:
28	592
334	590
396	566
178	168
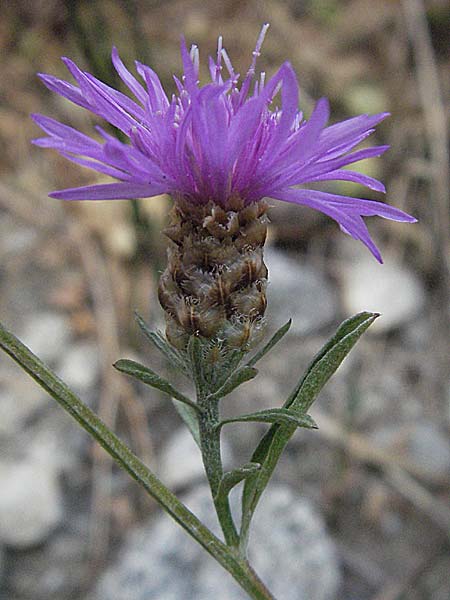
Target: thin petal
190	74
109	191
344	175
64	89
131	82
347	211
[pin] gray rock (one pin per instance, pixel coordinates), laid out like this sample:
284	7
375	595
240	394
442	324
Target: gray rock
55	571
390	289
20	399
290	549
429	449
424	444
15	239
181	464
47	335
79	366
30	502
300	292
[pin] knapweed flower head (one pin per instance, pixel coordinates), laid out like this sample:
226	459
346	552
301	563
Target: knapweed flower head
223	143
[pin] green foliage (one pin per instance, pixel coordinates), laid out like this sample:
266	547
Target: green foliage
149	377
232	478
300	400
282	416
212	382
90	422
237	378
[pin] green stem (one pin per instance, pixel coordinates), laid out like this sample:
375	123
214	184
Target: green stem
227	557
210	448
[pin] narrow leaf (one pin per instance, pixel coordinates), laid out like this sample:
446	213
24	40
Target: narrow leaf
274	415
189	416
277	336
345	328
172	355
327	362
318	373
232	478
239	376
149	377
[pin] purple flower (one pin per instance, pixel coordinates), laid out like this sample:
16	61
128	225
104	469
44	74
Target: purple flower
217	141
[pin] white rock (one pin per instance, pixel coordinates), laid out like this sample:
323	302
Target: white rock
47	335
297	291
15	238
390	289
20	398
429	449
30	502
79	366
181	464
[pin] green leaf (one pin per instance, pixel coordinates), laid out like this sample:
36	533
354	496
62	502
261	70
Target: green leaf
149	377
318	373
274	415
239	376
329	359
232	478
157	339
363	319
277	336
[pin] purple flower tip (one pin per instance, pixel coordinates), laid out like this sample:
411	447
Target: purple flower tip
217	141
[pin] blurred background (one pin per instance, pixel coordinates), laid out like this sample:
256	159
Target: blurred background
357	510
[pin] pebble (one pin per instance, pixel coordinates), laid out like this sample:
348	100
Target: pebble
30	502
79	366
47	335
20	399
15	240
424	444
300	292
390	289
289	548
429	449
55	571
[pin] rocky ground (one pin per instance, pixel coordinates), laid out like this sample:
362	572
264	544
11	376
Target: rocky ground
358	510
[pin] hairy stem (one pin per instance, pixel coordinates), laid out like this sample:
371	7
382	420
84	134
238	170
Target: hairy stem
210	447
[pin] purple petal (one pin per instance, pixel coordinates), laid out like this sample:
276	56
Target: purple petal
98	166
102	102
131	82
344	175
346	211
109	191
64	132
190	74
64	89
156	96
